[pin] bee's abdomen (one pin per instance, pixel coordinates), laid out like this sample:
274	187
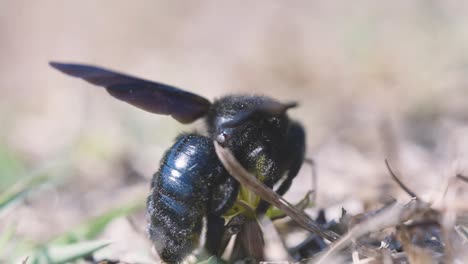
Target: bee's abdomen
179	196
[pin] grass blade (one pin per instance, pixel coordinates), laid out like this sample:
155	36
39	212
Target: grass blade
57	254
93	227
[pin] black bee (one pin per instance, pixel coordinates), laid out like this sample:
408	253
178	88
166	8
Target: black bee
191	183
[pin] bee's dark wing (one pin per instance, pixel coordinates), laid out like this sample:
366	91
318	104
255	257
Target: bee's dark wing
153	97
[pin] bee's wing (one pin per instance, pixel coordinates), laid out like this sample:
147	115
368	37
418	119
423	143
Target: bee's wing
153	97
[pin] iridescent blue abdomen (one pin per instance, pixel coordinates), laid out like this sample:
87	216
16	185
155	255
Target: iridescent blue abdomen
180	191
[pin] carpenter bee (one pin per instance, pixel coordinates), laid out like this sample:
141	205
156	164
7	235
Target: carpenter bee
191	183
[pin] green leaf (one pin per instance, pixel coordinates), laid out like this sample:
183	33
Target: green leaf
212	260
18	191
93	227
7	234
10	167
57	254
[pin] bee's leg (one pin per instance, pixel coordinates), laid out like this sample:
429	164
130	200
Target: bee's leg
214	234
295	152
224	195
219	233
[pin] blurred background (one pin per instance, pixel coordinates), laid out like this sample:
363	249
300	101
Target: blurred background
374	80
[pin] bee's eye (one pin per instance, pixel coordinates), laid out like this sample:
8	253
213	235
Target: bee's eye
272	120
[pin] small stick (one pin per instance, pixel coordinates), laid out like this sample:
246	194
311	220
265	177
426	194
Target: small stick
355	257
313	166
253	184
400	183
390	216
463	178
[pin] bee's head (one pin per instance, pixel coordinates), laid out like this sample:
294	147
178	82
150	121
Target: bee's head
235	120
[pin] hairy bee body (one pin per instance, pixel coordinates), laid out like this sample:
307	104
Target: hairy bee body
191	184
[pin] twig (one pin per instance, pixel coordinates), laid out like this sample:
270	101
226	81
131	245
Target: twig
414	253
355	257
400	183
253	184
313	166
391	216
386	256
462	232
463	178
449	218
136	227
